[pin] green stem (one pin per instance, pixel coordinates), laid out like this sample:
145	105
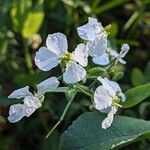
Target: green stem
131	20
59	78
93	83
115	61
28	59
91	77
83	91
27	56
61	118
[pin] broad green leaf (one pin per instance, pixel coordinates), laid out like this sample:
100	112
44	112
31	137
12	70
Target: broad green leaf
32	23
136	95
137	77
86	133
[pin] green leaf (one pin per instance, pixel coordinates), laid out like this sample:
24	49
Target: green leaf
109	5
136	95
86	133
118	76
19	12
96	71
113	30
27	17
32	23
137	77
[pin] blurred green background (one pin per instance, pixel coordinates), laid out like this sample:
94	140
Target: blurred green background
24	26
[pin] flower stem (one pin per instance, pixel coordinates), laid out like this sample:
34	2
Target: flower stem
61	118
59	78
115	61
83	91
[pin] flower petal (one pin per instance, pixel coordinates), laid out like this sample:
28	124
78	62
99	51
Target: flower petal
16	113
101	60
108	121
47	85
113	53
102	99
57	43
20	93
122	61
90	30
112	87
113	84
98	46
74	73
124	50
31	103
80	55
122	96
45	59
107	85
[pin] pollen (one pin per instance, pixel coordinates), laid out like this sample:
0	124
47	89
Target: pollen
66	58
116	102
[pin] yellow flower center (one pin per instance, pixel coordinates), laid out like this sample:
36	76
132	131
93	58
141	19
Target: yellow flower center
116	102
40	97
66	58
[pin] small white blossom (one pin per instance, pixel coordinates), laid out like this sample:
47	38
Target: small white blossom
31	102
124	50
105	58
95	34
107	98
56	53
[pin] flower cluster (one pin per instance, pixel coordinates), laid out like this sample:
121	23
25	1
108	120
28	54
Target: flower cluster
31	101
106	97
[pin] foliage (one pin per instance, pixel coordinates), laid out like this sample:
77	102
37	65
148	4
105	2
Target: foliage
117	136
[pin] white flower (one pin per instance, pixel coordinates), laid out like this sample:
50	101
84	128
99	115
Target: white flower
105	58
107	98
95	34
56	53
31	102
